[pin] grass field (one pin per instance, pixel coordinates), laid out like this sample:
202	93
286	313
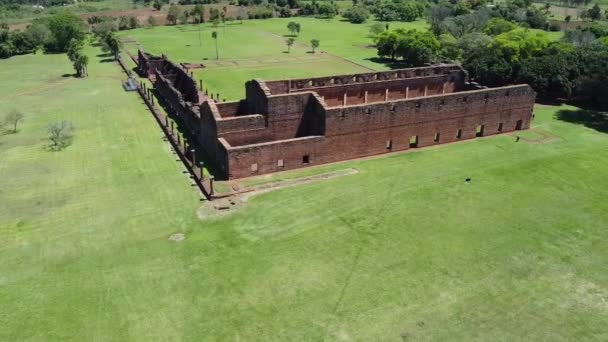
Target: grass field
402	250
257	49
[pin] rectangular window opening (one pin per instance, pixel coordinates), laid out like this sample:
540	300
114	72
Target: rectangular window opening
306	159
479	131
518	125
414	141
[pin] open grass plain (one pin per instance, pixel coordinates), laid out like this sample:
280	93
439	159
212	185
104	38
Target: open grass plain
404	249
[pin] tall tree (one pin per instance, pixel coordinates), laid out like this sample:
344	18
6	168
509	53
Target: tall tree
214	35
314	43
173	14
112	44
13	118
289	43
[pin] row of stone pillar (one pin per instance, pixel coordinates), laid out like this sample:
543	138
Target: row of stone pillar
386	94
173	131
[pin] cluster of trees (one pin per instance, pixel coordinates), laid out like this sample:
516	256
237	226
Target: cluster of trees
319	9
59	134
497	51
52	34
397	10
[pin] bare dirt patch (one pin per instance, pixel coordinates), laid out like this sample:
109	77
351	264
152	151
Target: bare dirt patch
230	204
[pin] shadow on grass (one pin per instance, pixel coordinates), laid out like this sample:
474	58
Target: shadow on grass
182	128
106	60
589	118
69	75
104	55
392	64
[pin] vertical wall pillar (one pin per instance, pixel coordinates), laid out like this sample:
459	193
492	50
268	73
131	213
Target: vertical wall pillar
426	88
365	98
344	99
193	151
171	127
407	92
202	169
386	94
443	88
211	178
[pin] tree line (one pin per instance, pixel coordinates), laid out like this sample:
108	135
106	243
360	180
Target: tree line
497	51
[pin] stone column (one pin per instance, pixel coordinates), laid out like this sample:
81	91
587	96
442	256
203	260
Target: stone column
386	94
407	92
365	97
185	146
211	178
202	169
426	88
193	152
443	88
344	99
179	141
166	121
171	127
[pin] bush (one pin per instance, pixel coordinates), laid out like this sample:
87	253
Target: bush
357	14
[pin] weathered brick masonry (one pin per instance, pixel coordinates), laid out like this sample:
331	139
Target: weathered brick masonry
289	124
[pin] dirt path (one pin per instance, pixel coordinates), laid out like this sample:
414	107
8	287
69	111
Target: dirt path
232	203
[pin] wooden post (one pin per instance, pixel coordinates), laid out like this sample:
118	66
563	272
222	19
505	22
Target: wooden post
202	169
193	151
211	178
185	146
171	127
179	141
166	121
200	82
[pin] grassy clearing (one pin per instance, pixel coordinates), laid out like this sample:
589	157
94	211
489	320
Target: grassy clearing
403	249
257	49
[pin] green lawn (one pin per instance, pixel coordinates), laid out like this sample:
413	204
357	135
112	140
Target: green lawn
257	49
403	250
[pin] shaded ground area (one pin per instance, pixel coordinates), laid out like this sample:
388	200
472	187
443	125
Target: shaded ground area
589	118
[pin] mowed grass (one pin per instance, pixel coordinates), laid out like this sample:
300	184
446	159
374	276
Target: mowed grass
403	250
257	49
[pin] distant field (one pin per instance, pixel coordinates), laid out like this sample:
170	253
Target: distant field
257	49
402	250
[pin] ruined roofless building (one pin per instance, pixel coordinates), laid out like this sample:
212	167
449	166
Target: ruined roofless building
289	124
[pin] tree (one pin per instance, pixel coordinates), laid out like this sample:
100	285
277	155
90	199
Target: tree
112	44
13	118
184	17
64	27
289	43
80	63
74	48
496	26
151	21
327	10
376	29
386	44
417	47
552	74
60	134
293	27
519	44
157	5
198	12
133	22
357	14
214	35
595	13
173	14
314	43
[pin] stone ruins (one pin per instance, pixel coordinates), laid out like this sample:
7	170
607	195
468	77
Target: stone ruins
289	124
